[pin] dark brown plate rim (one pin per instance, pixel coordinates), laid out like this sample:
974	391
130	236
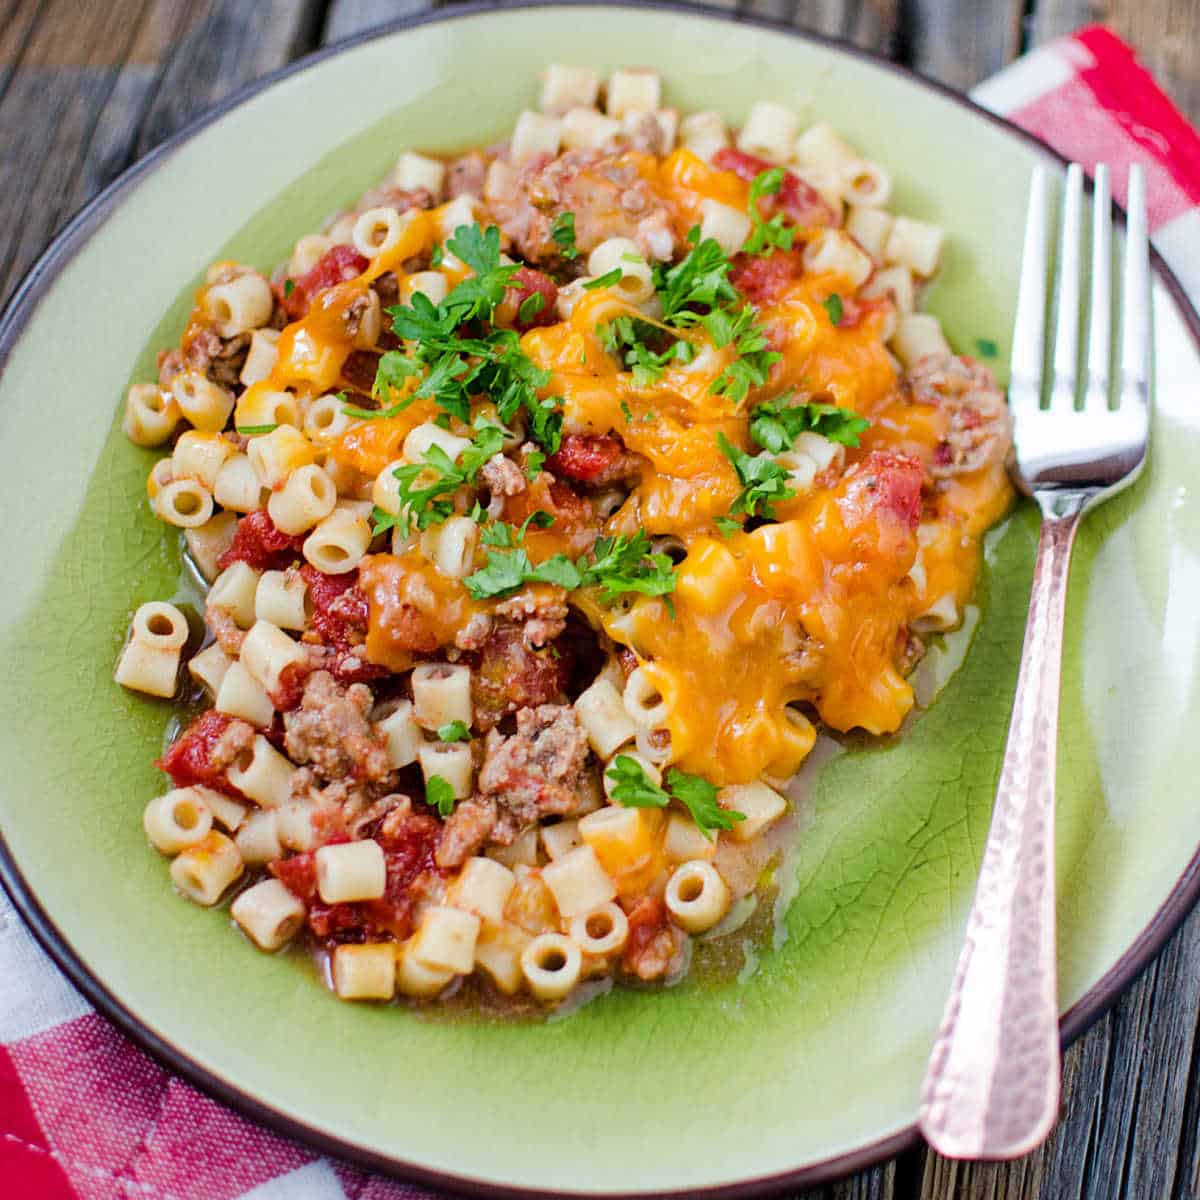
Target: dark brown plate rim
67	243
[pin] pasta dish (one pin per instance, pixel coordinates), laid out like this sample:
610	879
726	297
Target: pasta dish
548	502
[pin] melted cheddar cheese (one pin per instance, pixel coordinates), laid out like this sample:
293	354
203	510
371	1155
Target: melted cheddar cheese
807	615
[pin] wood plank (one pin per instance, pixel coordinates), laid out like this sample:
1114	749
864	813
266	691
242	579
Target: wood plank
872	24
98	85
960	44
346	18
18	19
1165	34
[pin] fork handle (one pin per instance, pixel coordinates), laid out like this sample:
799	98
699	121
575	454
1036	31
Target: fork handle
992	1085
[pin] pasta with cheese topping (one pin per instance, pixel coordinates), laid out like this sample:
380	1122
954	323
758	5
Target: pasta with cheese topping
554	497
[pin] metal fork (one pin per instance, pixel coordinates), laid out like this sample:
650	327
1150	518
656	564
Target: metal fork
992	1085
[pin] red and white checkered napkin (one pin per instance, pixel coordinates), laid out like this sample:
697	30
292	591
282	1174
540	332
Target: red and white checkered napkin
86	1116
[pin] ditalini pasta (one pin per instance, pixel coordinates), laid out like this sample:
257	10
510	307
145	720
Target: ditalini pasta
549	500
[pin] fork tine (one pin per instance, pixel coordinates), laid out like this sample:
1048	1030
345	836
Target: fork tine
1066	337
1025	382
1135	298
1100	326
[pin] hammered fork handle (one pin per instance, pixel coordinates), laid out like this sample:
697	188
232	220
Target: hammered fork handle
991	1090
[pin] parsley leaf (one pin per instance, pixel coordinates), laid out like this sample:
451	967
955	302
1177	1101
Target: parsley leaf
558	569
834	307
625	564
458	365
562	233
455	731
987	347
499	533
439	794
627	413
775	425
615	564
632	786
699	797
533	464
427	488
766	236
700	278
289	286
632	341
754	361
437	257
603	281
727	525
763	480
530	307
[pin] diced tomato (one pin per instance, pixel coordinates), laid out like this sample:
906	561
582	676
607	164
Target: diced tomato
257	542
189	761
649	946
510	675
298	874
340	617
585	456
525	283
884	485
408	854
333	267
290	689
800	202
763	278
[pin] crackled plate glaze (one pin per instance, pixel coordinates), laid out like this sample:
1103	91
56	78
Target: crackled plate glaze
808	1065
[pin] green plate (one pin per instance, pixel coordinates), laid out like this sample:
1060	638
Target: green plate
810	1065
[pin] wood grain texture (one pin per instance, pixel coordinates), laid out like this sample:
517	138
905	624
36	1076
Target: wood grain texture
91	87
1165	33
85	89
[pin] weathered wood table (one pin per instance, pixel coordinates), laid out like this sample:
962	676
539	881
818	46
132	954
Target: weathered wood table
88	86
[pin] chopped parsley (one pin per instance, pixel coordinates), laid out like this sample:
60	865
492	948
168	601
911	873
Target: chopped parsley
455	731
632	787
617	565
289	286
767	236
439	794
754	361
763	480
499	533
506	573
562	233
603	281
727	525
530	307
834	307
533	464
438	256
699	797
626	412
635	789
458	355
626	564
987	347
700	278
775	424
634	341
427	488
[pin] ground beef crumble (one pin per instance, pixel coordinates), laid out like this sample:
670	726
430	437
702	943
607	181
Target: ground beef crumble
980	422
330	730
535	772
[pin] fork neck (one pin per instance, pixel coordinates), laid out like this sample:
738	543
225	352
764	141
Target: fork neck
1062	503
